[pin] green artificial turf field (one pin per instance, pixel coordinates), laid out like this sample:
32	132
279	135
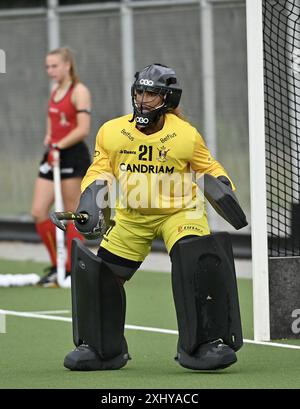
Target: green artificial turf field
33	349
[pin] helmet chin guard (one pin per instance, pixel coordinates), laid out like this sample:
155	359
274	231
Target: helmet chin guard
145	119
158	79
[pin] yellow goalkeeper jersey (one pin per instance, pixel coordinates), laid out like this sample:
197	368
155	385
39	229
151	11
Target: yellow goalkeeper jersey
155	173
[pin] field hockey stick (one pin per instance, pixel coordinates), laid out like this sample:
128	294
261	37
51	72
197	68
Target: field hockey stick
58	217
60	236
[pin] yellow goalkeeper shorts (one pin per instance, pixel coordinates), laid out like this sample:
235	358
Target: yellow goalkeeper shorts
133	233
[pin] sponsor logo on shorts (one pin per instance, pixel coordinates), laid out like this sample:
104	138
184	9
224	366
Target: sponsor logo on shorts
67	170
45	168
189	227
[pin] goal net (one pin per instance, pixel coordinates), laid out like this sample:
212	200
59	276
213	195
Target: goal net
273	35
281	40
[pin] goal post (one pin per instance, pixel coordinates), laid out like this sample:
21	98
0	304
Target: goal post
273	47
260	274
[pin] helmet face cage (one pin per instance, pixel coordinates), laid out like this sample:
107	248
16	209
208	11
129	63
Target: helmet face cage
160	80
141	91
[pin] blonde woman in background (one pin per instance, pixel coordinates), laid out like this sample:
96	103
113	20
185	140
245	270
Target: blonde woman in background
68	124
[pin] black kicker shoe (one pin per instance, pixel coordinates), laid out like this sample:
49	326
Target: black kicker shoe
209	356
49	280
86	358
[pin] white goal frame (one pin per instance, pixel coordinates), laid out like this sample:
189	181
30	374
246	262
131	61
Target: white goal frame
260	270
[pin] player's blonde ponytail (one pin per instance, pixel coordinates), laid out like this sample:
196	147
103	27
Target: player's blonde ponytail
177	111
67	56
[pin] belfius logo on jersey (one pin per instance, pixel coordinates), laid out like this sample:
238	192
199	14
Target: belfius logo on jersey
127	134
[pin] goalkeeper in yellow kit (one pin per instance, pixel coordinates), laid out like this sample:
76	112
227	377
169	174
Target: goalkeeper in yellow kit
147	166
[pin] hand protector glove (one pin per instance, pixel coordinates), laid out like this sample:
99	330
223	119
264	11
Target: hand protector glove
225	180
94	202
218	191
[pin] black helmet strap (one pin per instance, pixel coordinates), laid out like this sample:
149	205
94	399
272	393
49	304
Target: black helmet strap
145	119
155	79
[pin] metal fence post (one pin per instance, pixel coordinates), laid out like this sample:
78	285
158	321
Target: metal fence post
53	25
208	86
127	46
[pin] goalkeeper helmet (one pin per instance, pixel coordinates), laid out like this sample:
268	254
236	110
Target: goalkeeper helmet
158	79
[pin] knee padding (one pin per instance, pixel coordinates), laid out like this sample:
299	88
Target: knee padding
98	303
205	291
120	266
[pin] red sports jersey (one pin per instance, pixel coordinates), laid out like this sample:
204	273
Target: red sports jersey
62	115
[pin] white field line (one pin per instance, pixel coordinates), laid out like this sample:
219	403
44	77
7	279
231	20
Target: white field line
151	329
49	312
135	327
35	315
